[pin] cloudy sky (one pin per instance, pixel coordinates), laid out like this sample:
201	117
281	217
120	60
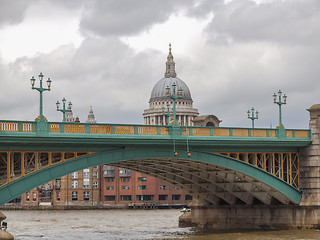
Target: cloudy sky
233	55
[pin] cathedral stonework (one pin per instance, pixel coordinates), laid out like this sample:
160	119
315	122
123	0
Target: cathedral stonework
159	102
91	118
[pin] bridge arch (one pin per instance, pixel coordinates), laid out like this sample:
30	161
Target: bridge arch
213	179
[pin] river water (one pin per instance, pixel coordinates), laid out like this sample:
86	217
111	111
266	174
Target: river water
123	224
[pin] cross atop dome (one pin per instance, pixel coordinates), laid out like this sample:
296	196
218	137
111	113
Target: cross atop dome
170	65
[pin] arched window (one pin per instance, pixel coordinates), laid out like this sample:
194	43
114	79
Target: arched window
210	124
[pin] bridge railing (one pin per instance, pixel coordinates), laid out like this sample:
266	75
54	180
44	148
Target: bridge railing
98	128
129	129
17	126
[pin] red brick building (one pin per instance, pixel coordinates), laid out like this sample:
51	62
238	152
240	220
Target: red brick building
81	188
105	186
123	187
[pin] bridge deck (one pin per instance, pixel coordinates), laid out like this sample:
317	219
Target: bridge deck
125	129
31	149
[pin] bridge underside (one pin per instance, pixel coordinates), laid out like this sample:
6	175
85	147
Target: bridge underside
210	184
214	179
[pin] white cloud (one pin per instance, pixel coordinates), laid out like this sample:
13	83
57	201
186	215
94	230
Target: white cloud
41	31
183	32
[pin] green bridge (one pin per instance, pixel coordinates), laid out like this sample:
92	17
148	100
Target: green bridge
218	166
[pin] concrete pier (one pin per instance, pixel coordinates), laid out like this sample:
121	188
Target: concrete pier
238	218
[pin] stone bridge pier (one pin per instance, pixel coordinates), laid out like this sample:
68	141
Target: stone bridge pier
4	235
275	216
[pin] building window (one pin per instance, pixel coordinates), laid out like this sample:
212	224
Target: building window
125	179
86	183
95	174
86	173
125	197
125	187
176	188
144	197
58	196
58	183
110	198
163	197
95	184
142	187
28	196
188	197
74	175
95	168
109	187
110	179
176	197
123	171
163	187
74	184
74	195
86	196
34	196
107	172
142	179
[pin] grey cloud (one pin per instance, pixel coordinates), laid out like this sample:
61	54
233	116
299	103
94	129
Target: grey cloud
287	22
203	7
117	82
127	17
69	4
254	50
13	11
225	80
104	73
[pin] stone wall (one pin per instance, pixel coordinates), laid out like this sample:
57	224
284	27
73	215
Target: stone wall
239	218
310	162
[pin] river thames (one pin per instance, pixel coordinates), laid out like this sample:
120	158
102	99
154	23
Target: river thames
123	224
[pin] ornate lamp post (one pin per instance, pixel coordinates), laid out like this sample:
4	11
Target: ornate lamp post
279	102
64	110
175	129
174	96
40	90
168	114
253	117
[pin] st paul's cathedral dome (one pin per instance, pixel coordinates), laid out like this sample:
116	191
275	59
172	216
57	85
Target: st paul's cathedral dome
159	101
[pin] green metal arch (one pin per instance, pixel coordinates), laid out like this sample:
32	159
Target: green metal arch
30	181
